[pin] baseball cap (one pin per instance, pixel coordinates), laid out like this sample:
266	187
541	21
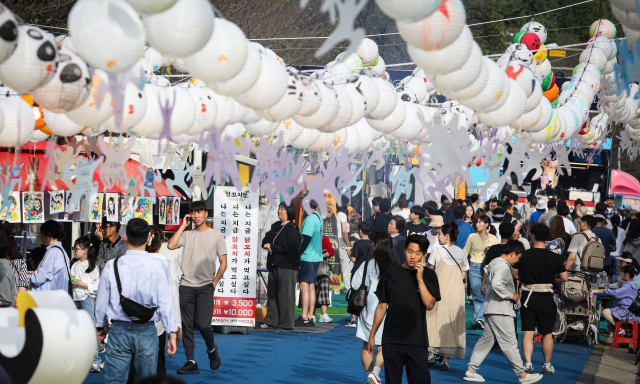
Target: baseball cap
600	217
633	212
533	200
436	221
609	197
623	259
498	213
313	204
627	207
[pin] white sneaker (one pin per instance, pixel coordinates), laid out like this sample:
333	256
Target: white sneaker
95	368
531	378
325	319
473	377
351	324
373	379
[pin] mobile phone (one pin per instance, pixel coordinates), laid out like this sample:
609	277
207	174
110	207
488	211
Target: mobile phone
189	221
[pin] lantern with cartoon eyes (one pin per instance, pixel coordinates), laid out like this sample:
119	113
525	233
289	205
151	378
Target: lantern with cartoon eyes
69	88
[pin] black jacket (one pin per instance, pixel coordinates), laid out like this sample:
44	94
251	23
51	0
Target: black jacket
285	246
379	223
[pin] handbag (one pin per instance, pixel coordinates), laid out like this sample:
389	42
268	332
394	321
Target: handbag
357	300
69	285
137	312
635	305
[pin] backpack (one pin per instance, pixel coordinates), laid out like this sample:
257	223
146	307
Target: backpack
576	289
592	255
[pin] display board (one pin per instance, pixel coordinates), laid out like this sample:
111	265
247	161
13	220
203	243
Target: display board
236	216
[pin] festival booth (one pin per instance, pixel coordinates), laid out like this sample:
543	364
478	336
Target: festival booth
625	189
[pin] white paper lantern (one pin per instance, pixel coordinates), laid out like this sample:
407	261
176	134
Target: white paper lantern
38	136
94	131
626	15
529	119
411	127
367	50
523	76
436	31
358	103
367	135
9	33
108	34
151	122
222	57
226	110
520	52
68	89
609	47
545	68
206	109
345	111
60	124
19	121
65	44
143	68
312	97
387	100
307	138
134	108
595	56
240	113
417	84
337	70
446	59
353	62
391	122
290	131
243	80
537	28
353	139
268	89
326	113
476	87
88	114
154	58
510	111
160	81
547	133
462	77
342	135
251	116
148	7
234	131
324	142
369	90
190	23
262	127
545	116
493	91
290	103
376	70
33	62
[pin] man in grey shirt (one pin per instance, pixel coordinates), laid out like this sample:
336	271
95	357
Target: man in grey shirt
112	244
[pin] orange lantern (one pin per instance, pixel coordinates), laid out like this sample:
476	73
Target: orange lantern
552	93
37	113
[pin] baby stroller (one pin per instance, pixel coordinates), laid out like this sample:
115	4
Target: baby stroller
576	312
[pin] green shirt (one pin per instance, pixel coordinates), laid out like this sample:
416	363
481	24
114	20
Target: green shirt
312	227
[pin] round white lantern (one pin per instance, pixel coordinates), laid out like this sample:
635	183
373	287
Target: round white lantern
387	100
353	62
243	80
510	111
190	23
226	110
143	68
417	84
609	47
408	9
148	7
595	56
493	91
206	109
154	58
476	87
411	127
312	97
537	28
234	131
545	116
342	135
262	127
462	77
223	56
33	62
94	131
367	134
345	111
306	138
529	119
391	122
353	139
65	44
151	122
367	50
68	89
326	113
358	103
38	136
376	70
133	109
88	114
60	124
19	121
242	114
107	34
290	131
447	59
324	142
9	33
436	31
160	81
290	103
269	88
337	70
369	90
545	68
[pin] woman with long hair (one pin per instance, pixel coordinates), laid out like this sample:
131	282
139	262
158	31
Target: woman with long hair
631	242
85	277
446	325
479	212
619	233
161	212
558	238
384	257
111	207
468	214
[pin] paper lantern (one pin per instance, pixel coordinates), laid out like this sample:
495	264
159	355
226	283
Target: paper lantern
607	46
94	131
142	68
268	89
510	111
531	40
491	95
376	70
65	44
345	111
358	103
107	34
324	142
352	61
545	68
476	87
133	109
153	57
387	101
151	122
148	7
391	122
411	126
540	55
242	81
326	113
226	110
19	121
250	115
523	76
407	95
630	34
536	28
545	117
178	64
307	138
234	131
337	70
312	97
529	119
160	81
520	52
8	33
352	143
183	139
547	133
88	114
595	56
191	25
342	135
417	82
447	59
369	90
575	118
367	50
548	82
206	109
33	62
262	127
408	9
436	31
518	36
290	103
69	87
367	135
604	27
587	67
290	131
463	76
552	93
38	136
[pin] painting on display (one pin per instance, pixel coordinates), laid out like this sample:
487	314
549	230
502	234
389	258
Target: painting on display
12	214
126	209
144	209
95	214
162	210
56	202
84	208
176	211
33	207
111	206
169	218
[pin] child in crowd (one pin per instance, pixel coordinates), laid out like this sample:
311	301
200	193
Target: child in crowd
625	296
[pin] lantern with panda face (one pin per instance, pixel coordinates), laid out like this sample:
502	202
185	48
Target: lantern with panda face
8	33
134	108
407	94
98	107
33	63
537	28
69	88
290	103
520	52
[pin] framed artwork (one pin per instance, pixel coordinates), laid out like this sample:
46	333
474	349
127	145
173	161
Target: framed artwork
112	201
176	210
169	219
33	207
126	209
95	213
56	201
144	209
84	208
162	210
12	214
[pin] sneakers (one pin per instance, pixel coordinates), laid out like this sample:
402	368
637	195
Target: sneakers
373	379
189	368
101	346
445	366
325	319
479	324
528	369
102	365
264	326
432	360
95	368
351	324
214	358
473	377
305	323
547	369
531	378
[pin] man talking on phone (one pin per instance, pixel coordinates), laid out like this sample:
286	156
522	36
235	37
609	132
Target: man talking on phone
203	246
406	293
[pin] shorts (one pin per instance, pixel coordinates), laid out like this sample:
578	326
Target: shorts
541	310
308	272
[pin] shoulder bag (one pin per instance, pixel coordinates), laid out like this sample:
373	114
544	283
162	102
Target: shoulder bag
138	313
69	285
357	300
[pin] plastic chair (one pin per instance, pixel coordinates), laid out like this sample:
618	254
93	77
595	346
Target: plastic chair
633	340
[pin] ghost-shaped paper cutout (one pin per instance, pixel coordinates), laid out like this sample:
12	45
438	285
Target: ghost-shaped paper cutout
354	182
131	189
113	172
167	110
172	157
179	176
221	157
83	173
117	86
402	181
149	177
376	158
197	180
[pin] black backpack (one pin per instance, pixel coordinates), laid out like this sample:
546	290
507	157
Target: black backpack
357	299
138	313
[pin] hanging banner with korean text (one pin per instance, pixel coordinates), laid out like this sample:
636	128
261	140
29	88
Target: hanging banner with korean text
236	216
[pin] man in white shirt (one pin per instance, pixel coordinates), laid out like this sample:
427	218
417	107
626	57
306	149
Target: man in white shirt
144	283
403	204
578	242
498	215
569	228
343	242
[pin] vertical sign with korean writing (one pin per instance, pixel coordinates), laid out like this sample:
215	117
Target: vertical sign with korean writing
235	215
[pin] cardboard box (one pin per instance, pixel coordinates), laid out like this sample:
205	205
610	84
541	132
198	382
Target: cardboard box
261	313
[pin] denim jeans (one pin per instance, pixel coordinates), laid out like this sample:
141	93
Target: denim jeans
127	342
88	305
475	279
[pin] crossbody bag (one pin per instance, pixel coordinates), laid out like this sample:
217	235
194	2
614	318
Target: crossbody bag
69	285
137	312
